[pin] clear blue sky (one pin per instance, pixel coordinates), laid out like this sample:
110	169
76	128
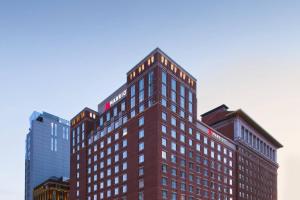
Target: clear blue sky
244	53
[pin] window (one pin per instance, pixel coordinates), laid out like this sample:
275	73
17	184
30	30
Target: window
164	181
164	142
124	154
141	183
182	138
124	131
150	87
52	144
173	133
182	126
182	97
205	140
163	129
141	133
182	90
141	196
141	84
173	121
198	147
108	116
164	77
164	194
141	158
164	155
124	143
164	116
173	84
173	146
164	168
182	150
123	106
141	146
164	84
115	111
141	121
164	90
141	171
132	90
173	96
190	102
141	90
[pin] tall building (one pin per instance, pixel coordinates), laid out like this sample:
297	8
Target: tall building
256	152
52	189
47	150
145	141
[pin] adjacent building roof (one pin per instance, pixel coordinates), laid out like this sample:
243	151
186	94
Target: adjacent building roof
244	116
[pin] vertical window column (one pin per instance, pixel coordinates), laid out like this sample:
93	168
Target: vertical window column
182	100
164	88
141	95
132	100
150	88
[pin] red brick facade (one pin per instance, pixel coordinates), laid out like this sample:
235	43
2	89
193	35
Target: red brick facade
145	142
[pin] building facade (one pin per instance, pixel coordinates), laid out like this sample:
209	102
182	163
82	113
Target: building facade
256	152
145	141
52	189
47	150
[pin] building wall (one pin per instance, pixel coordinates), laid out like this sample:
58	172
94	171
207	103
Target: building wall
205	161
257	175
256	168
44	158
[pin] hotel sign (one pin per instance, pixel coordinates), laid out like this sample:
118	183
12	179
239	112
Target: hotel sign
117	98
218	137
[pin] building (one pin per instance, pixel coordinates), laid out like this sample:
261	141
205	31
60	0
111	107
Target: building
52	189
47	150
145	141
256	152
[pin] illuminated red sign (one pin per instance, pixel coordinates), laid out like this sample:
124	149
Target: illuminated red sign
109	104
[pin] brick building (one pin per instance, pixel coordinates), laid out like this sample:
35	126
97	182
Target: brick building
52	189
256	152
145	141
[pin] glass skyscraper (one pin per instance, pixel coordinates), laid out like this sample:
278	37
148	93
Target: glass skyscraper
47	150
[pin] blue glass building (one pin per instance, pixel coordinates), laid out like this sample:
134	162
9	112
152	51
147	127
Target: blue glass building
47	150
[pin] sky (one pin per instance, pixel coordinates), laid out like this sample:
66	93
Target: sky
62	56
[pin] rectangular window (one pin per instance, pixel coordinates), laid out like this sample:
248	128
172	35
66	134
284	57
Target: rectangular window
55	144
164	77
190	102
164	116
141	84
173	96
164	90
123	106
141	121
141	133
173	84
163	129
132	102
141	146
164	142
173	121
150	87
141	159
52	144
141	90
132	91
